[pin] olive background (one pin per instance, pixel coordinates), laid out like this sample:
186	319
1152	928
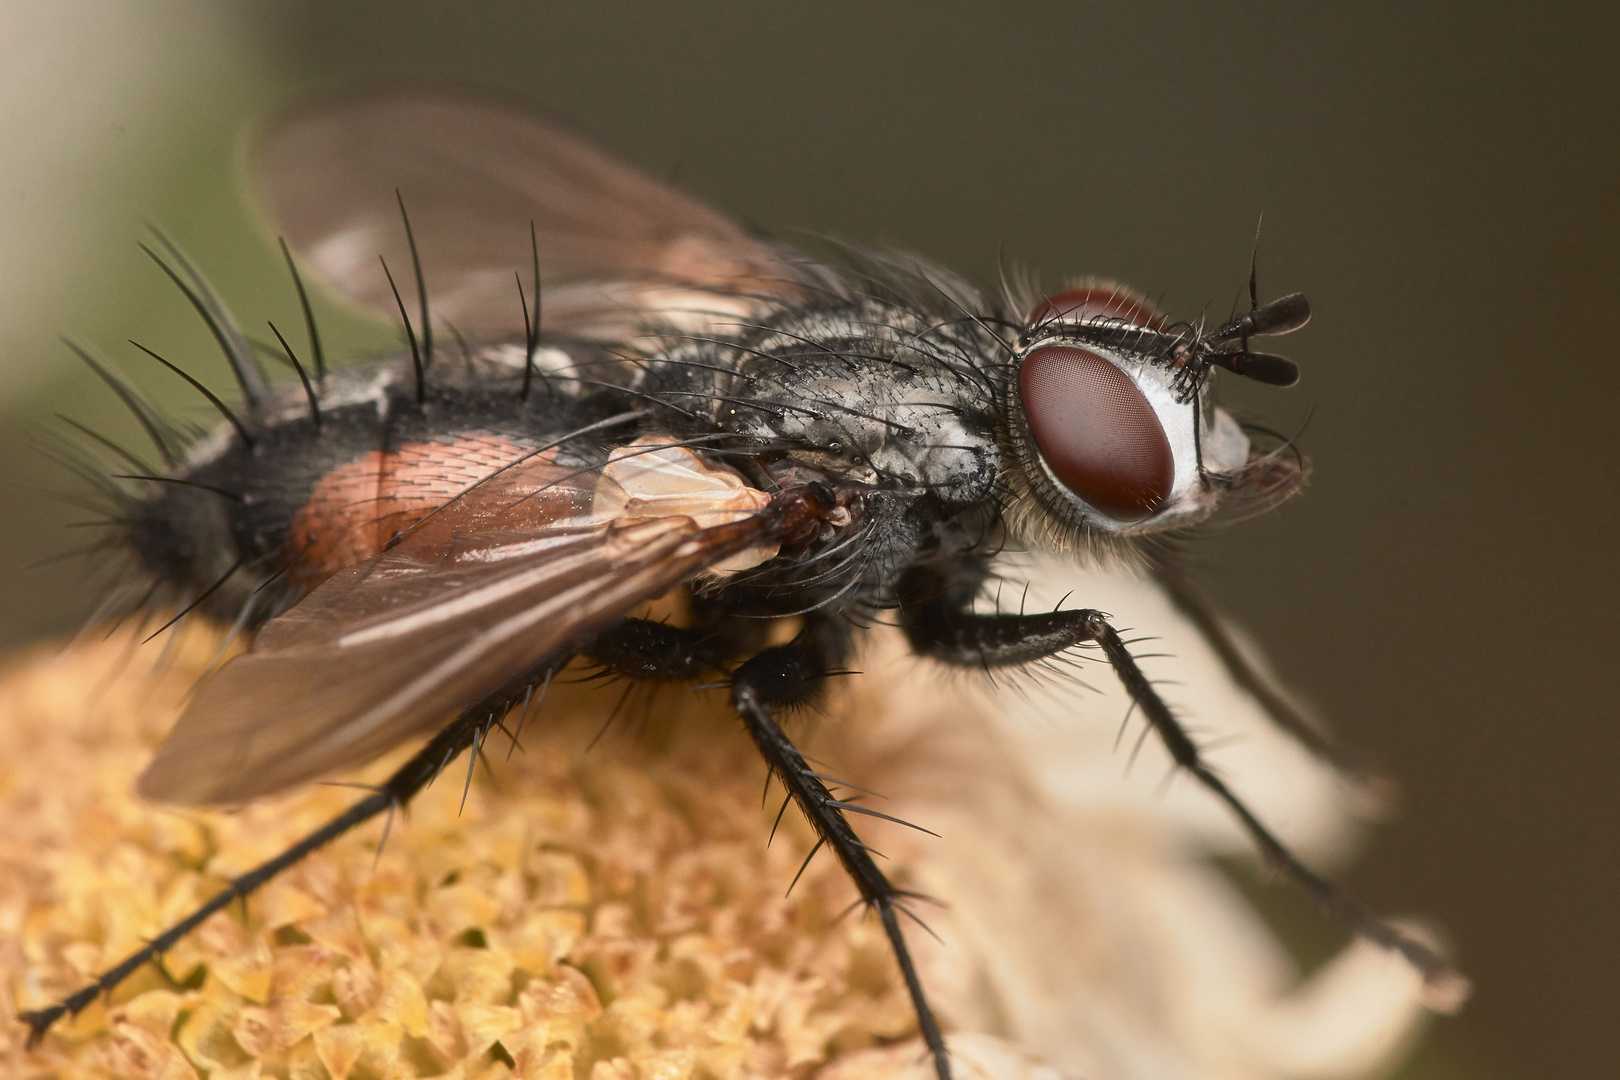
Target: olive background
1440	179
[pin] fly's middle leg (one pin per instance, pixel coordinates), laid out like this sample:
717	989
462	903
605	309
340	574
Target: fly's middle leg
769	681
785	676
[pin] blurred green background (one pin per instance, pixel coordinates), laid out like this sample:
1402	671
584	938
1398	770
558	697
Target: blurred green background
1441	180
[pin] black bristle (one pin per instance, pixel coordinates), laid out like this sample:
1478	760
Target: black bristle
528	337
309	314
213	399
303	377
201	597
421	283
531	326
149	420
108	443
235	496
410	335
217	316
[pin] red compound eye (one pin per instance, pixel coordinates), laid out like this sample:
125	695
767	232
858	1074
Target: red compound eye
1096	431
1096	302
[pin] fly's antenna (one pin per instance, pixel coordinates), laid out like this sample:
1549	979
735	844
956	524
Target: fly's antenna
151	423
213	399
303	377
309	314
410	335
531	326
217	316
421	283
1282	316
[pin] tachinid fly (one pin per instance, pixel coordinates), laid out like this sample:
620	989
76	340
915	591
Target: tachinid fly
612	392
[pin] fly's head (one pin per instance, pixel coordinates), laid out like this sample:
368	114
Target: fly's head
1110	420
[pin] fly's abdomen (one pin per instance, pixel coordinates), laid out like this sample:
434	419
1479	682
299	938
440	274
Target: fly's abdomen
359	507
252	527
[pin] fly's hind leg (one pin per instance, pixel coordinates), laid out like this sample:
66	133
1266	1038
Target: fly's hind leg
940	625
465	731
788	675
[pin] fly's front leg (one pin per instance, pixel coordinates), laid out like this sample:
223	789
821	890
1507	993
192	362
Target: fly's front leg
1257	683
788	675
940	625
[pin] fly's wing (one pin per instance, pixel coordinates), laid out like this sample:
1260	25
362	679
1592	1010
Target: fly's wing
508	576
615	246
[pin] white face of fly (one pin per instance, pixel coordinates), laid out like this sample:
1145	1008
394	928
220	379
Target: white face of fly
1112	439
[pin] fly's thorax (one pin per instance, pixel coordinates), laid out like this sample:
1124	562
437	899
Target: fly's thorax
875	395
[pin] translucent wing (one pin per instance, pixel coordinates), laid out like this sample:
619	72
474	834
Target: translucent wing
515	573
474	172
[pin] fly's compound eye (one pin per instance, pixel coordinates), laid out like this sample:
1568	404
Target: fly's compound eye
1096	432
1096	302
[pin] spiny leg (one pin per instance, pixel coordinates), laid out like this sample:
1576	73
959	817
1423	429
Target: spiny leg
1252	680
939	629
398	789
1446	985
786	675
636	648
641	649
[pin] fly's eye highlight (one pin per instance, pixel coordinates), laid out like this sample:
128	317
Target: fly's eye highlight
1092	302
1096	432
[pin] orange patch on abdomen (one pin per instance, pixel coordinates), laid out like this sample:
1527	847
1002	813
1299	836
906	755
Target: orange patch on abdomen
357	509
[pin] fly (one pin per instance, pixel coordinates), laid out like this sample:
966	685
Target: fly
615	392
